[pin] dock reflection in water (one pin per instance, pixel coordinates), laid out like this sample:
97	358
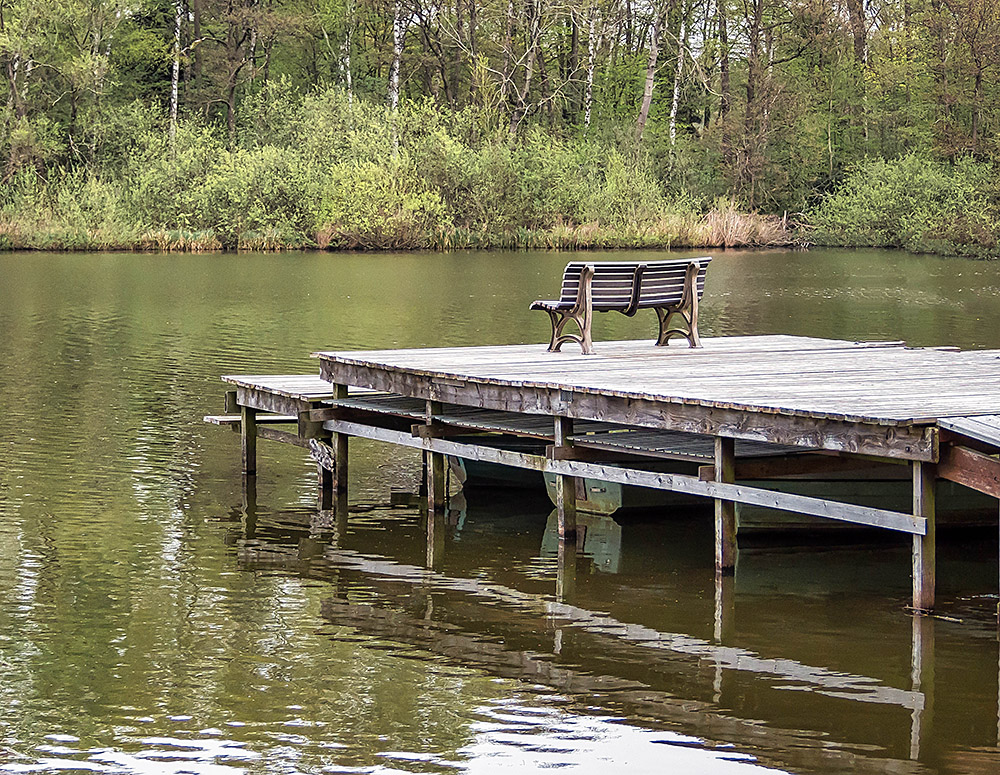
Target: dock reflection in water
631	623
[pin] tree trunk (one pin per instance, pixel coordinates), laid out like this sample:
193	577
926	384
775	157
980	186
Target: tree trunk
726	99
473	22
647	92
678	72
529	67
231	111
628	26
508	43
977	103
398	31
348	42
196	40
175	73
750	150
398	35
593	43
859	29
574	62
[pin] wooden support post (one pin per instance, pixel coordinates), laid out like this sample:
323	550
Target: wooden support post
324	483
725	511
248	435
338	442
565	485
924	546
437	494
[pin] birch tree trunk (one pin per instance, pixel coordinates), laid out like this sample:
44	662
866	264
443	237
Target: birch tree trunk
647	92
348	42
398	34
175	73
678	72
593	43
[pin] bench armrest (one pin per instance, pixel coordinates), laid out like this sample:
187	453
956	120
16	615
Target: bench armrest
633	304
584	292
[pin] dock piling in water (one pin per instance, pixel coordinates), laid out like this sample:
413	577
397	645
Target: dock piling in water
565	485
725	511
924	546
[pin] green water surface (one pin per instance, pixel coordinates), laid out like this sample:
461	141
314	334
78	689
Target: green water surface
150	624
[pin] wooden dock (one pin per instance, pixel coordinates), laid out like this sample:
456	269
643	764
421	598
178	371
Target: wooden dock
791	406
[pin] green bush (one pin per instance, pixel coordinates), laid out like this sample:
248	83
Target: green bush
916	204
378	207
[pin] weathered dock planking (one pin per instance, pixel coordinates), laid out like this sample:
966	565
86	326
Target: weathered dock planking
784	404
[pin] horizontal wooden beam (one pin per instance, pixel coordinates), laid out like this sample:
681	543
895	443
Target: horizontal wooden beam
589	455
970	468
906	442
273	434
438	430
266	401
235	419
792	465
690	485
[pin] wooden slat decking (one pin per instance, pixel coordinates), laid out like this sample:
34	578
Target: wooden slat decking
984	428
879	398
673	445
883	383
300	387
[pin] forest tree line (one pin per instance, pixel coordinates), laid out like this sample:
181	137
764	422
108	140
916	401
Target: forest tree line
410	123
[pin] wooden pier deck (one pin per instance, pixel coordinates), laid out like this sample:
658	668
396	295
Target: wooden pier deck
794	405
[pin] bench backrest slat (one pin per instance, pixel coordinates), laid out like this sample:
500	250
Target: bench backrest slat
662	282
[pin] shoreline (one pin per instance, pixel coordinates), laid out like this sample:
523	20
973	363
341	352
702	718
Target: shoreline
715	230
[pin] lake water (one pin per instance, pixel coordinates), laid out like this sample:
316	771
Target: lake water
151	623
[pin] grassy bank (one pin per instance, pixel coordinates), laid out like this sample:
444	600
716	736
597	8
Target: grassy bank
324	172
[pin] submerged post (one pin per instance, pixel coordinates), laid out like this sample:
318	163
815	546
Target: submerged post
565	485
725	511
566	571
248	439
435	538
437	494
924	546
922	681
723	630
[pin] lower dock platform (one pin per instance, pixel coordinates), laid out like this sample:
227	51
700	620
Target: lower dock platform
739	408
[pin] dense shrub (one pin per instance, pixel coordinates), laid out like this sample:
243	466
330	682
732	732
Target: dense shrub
914	203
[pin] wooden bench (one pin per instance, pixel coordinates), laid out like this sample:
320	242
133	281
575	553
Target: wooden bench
672	288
